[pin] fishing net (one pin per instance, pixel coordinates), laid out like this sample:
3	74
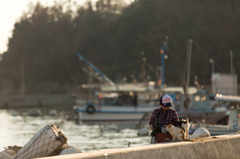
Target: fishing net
46	142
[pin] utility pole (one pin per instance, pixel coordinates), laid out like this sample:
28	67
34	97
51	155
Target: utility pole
233	73
189	54
187	81
158	75
143	69
23	81
90	78
231	61
212	61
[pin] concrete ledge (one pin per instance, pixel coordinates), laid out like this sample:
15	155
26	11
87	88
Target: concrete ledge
219	147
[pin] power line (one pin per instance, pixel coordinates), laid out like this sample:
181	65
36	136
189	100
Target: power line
181	62
195	43
176	57
121	66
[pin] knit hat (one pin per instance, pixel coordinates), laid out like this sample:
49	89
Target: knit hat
165	100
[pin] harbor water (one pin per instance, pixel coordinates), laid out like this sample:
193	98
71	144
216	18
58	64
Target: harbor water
19	129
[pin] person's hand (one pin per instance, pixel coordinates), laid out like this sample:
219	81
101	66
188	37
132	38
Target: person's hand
150	127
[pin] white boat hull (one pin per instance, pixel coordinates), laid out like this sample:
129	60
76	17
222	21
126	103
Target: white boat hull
114	114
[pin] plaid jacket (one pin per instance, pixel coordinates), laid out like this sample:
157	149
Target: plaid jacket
170	118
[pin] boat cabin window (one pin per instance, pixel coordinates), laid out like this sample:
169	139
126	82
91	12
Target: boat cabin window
203	98
200	98
110	100
197	98
121	98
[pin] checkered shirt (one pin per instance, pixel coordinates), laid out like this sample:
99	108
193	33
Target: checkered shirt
170	118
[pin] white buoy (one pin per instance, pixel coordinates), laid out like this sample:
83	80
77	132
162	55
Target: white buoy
200	132
69	150
34	112
143	132
53	112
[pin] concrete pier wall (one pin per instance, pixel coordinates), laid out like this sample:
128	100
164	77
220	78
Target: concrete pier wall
218	147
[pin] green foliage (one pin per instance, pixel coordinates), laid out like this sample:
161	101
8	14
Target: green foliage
115	38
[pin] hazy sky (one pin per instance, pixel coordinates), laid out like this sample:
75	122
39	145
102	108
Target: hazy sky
11	10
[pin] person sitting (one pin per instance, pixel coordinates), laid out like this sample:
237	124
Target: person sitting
164	115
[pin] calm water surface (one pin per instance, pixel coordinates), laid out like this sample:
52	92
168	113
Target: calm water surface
18	130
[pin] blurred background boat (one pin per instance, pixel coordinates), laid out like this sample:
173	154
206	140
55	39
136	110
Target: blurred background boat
127	103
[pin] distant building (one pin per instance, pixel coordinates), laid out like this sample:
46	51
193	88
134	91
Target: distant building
225	84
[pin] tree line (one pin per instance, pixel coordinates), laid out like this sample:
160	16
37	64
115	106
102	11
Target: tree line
116	37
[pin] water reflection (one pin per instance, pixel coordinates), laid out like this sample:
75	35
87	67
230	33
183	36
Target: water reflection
18	130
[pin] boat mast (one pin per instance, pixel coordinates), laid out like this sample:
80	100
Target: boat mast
162	51
186	80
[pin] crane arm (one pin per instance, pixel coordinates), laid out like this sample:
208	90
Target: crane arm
109	81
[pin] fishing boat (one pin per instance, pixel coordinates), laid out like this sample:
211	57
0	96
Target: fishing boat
127	103
216	129
205	108
111	102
